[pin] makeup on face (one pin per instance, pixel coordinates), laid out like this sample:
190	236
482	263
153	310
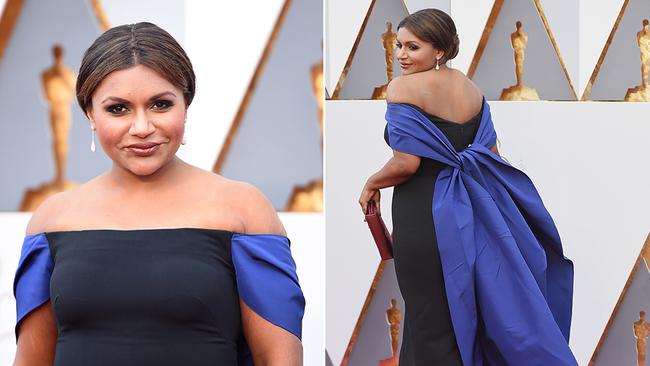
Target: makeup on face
413	54
140	118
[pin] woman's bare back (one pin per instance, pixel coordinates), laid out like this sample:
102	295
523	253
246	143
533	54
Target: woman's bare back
445	93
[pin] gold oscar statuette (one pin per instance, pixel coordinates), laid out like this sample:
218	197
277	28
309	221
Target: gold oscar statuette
318	88
309	198
394	317
519	91
58	85
389	42
641	333
641	93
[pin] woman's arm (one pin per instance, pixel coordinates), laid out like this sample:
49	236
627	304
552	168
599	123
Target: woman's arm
37	338
397	170
37	331
270	345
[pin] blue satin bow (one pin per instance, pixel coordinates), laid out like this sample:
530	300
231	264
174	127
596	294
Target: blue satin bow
508	284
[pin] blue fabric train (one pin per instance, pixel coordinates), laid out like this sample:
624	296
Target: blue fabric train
508	284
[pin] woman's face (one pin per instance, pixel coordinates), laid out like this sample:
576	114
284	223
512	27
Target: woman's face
139	117
413	54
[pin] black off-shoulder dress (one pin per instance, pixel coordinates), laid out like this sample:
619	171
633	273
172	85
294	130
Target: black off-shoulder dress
157	296
428	337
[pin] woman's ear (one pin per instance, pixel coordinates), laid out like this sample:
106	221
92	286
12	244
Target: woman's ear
89	114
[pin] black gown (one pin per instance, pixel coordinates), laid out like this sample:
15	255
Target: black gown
157	296
428	337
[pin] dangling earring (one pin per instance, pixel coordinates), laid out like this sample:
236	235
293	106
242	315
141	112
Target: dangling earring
437	63
92	140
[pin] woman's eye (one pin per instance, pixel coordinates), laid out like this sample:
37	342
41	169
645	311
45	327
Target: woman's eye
413	48
116	109
398	45
161	104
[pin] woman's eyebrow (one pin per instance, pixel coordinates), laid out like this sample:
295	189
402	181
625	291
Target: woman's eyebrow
122	100
161	95
116	99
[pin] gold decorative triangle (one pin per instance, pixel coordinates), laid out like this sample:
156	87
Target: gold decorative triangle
642	261
362	314
377	333
305	185
639	90
348	63
12	10
241	111
487	31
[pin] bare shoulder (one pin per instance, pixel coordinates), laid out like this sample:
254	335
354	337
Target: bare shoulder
398	90
408	88
58	210
467	83
246	206
47	215
256	211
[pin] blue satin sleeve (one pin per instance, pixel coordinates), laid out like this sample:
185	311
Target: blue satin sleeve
32	279
267	281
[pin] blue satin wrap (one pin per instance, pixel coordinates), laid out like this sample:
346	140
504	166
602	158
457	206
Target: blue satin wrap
508	284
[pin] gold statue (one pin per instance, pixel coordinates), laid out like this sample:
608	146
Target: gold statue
519	91
318	88
641	93
58	85
641	333
389	42
309	198
389	39
394	317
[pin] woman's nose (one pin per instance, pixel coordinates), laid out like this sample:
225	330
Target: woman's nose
141	126
399	52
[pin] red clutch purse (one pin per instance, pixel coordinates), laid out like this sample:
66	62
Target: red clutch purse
379	232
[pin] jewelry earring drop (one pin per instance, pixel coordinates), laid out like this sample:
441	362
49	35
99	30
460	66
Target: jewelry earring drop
437	63
92	140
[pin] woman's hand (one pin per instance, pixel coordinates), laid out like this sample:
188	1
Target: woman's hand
368	194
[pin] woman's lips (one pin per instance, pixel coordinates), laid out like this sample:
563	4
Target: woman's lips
404	66
143	149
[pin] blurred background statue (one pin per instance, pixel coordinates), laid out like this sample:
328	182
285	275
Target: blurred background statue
519	91
641	93
641	333
309	198
59	88
389	42
318	88
394	317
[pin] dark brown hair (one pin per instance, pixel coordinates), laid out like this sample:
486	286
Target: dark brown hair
436	27
129	45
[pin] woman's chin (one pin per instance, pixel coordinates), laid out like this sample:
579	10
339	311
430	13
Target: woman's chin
143	169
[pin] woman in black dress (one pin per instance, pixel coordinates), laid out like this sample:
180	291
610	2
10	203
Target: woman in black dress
453	103
154	262
431	100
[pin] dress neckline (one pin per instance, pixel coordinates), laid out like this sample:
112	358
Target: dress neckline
475	119
151	230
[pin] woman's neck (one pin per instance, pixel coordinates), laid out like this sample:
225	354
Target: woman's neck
165	175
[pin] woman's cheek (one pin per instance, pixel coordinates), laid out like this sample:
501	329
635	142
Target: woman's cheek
108	136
